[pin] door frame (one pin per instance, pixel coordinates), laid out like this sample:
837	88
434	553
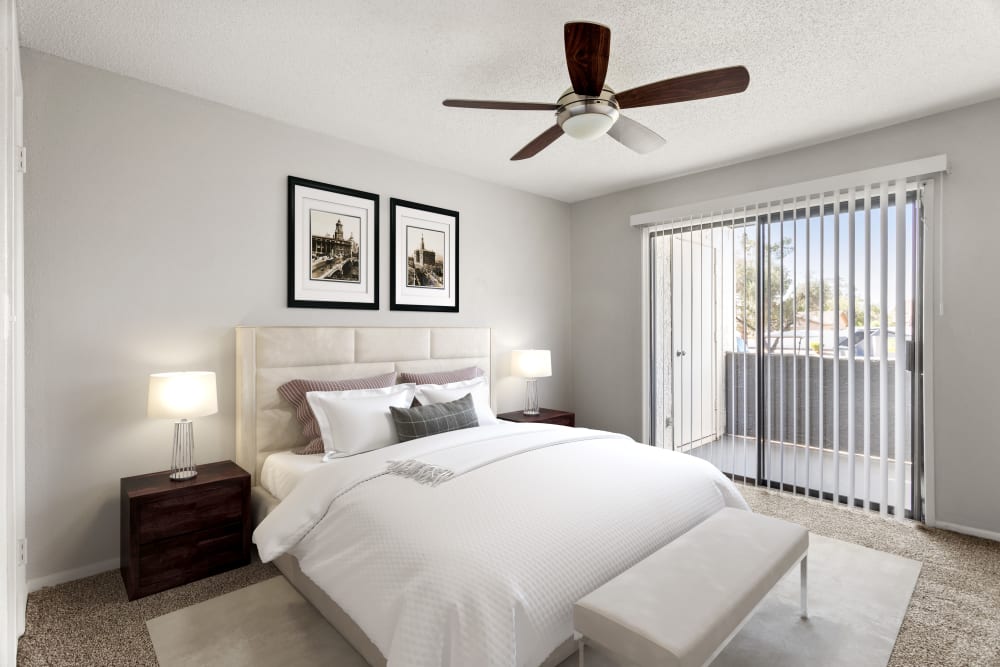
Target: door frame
13	587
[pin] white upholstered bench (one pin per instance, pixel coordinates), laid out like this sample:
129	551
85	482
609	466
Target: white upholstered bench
682	605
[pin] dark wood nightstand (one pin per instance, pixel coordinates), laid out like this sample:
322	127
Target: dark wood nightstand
177	532
544	416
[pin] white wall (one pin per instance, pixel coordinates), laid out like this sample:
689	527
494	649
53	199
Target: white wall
156	223
607	286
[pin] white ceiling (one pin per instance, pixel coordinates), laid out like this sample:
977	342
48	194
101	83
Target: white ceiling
374	72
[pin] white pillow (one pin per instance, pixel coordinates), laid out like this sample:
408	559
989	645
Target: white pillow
358	420
429	394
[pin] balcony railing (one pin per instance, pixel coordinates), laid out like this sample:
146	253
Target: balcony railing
798	394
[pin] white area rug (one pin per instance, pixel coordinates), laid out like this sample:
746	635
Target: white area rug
263	625
857	600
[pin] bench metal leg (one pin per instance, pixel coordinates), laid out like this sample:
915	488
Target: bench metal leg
803	577
579	645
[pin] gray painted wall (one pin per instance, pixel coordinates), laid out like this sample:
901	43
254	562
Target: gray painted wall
607	359
155	222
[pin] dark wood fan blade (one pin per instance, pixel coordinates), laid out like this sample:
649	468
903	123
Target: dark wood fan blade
634	135
510	106
587	48
538	143
713	83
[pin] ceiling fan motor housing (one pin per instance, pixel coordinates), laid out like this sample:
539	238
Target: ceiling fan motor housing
583	117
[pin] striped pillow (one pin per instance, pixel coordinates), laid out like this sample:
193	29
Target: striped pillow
295	393
442	377
425	420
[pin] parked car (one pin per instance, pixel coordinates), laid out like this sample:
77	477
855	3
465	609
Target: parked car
844	347
876	343
815	341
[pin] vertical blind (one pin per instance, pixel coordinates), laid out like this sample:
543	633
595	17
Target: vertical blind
785	341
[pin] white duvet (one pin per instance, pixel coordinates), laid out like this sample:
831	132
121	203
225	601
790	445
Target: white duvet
484	568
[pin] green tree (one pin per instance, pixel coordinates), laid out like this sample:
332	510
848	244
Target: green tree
786	298
778	283
859	310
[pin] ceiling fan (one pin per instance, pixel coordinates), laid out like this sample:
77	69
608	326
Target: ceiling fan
590	109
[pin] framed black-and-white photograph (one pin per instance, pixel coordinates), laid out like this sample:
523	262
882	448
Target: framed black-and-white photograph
423	271
332	246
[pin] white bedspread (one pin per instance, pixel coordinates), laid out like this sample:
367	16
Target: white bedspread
448	463
484	569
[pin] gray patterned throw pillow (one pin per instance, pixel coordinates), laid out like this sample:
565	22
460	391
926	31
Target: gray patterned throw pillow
424	420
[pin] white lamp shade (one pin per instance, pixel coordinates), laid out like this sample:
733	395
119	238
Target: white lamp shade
182	395
531	363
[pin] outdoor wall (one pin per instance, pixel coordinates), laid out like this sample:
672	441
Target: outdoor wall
607	323
155	223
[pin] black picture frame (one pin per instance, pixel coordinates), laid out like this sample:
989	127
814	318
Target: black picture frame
400	293
370	297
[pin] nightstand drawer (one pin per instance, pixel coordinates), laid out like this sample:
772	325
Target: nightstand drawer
184	512
562	420
170	562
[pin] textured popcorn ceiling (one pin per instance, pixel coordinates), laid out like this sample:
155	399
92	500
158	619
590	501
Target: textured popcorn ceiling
375	72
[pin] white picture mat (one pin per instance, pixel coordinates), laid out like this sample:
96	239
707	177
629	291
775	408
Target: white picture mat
307	198
422	296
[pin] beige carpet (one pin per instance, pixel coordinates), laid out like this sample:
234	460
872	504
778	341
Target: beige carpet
953	619
91	622
858	599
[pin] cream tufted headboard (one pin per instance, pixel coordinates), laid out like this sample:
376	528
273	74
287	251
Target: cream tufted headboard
267	357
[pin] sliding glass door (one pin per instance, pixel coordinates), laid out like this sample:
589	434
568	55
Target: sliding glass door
786	343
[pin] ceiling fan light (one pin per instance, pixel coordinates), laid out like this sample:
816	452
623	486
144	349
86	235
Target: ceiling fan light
588	126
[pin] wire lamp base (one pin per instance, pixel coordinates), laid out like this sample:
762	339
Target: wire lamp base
531	397
182	463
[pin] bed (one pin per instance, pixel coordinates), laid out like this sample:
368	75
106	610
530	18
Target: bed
482	569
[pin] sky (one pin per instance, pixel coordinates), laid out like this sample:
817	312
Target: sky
818	251
433	240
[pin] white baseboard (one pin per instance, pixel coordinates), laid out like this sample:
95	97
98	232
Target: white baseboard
72	575
966	530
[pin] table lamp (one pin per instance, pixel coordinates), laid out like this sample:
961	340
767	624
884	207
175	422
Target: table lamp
182	396
531	364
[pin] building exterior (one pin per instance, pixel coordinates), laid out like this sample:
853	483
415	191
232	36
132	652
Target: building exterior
422	257
335	246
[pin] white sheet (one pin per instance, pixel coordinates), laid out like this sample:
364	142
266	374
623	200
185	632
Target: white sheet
484	569
282	471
